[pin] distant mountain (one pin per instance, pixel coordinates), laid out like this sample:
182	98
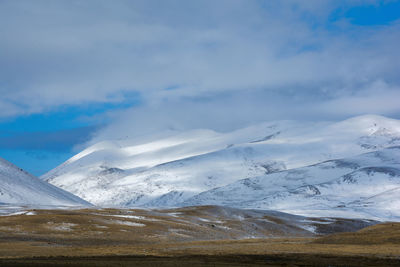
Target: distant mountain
175	169
19	187
366	186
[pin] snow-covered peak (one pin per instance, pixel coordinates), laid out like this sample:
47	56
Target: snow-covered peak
367	124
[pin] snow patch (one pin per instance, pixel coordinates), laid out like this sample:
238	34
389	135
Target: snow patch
61	226
128	223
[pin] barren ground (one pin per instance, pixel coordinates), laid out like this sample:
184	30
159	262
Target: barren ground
195	236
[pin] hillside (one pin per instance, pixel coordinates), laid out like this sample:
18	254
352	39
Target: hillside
364	186
168	171
19	187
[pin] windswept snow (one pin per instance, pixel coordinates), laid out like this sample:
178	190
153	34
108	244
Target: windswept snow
19	187
262	166
364	186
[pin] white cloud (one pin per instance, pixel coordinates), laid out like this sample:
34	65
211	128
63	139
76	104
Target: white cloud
231	62
377	98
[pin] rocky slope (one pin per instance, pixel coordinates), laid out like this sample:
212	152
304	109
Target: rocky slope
365	186
174	170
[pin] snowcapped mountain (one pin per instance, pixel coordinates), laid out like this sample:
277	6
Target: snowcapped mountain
366	186
175	169
19	187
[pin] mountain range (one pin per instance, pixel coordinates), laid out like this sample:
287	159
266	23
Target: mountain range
348	168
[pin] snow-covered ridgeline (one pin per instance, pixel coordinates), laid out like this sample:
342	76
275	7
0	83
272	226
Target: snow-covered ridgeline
171	170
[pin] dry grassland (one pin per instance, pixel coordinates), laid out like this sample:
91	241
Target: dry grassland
201	236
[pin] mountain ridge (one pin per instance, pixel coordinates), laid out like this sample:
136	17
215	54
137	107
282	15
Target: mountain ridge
168	171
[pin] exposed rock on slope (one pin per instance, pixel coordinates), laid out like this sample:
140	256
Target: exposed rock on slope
171	170
366	186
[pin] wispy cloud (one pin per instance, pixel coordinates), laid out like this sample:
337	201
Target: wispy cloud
218	64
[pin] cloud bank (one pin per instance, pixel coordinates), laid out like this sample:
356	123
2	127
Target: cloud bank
215	64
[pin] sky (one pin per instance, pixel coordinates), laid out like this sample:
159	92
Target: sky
74	72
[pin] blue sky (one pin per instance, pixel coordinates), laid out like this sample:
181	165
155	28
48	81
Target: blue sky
43	140
73	73
373	14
